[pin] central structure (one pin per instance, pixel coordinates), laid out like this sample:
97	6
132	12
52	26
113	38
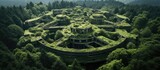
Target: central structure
81	36
84	34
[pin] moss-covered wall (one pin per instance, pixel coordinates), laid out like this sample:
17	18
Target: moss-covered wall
83	57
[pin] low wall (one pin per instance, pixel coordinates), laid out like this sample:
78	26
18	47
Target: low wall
83	57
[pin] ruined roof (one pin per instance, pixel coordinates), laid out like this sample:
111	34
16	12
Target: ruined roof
61	16
98	16
82	25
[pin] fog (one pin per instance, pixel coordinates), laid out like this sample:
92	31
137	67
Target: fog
24	2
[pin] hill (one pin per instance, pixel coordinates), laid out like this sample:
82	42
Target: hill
146	2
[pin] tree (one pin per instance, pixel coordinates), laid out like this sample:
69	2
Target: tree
7	59
75	66
131	45
145	63
29	47
59	65
63	4
113	65
29	60
47	59
23	41
58	35
154	64
42	8
136	64
146	32
135	31
116	10
140	21
154	25
30	5
17	21
13	33
84	4
50	6
40	3
158	31
118	54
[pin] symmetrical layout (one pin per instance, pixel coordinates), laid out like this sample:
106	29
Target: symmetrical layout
85	34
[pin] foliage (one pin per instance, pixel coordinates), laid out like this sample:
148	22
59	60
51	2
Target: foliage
13	34
136	64
140	21
15	31
34	58
146	32
100	3
144	57
23	41
47	59
142	54
135	31
60	4
154	25
75	66
118	54
113	65
29	47
59	65
7	59
131	45
146	2
58	35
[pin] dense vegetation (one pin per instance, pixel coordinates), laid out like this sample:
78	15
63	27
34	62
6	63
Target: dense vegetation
146	2
139	54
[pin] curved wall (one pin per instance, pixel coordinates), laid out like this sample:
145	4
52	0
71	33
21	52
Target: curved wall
83	57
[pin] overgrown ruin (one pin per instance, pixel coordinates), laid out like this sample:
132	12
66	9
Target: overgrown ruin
85	34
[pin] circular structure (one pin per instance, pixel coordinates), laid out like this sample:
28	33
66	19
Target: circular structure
84	37
83	40
82	33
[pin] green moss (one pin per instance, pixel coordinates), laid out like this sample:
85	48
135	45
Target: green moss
124	33
34	19
105	39
121	16
81	31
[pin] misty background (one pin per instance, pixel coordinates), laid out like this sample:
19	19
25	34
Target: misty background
24	2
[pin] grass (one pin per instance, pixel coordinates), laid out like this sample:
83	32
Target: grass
27	32
124	33
123	24
34	19
105	39
121	16
49	13
38	18
33	39
83	56
53	46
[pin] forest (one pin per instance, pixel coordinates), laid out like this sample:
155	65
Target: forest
141	53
